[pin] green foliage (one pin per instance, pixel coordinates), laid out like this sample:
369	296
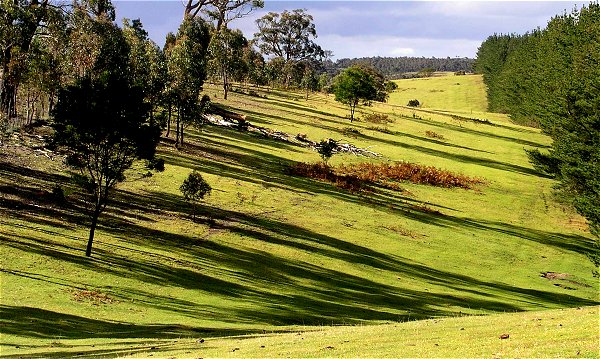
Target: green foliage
426	72
405	67
551	77
326	148
100	120
194	187
288	35
187	71
358	85
390	86
157	164
226	54
29	32
414	103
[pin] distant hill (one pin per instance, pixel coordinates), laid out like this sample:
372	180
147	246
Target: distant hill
397	67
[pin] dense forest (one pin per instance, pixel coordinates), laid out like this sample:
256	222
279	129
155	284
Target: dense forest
551	78
398	67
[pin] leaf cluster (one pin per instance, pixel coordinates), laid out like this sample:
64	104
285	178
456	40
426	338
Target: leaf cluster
194	187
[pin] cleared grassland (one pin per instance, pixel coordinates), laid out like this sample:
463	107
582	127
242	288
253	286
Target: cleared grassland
271	252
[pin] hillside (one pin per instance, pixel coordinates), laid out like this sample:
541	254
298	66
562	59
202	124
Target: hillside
269	251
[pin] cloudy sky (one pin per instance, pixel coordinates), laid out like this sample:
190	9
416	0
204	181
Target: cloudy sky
379	28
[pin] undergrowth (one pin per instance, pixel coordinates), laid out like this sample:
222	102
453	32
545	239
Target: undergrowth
363	176
406	171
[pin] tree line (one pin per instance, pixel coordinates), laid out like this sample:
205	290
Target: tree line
400	67
551	78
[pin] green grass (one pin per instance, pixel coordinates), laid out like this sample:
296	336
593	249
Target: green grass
554	333
270	252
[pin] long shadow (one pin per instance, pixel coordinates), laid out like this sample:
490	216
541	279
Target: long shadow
463	158
453	127
438	153
277	290
438	142
40	323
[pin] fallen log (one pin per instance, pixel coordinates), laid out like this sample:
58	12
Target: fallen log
226	114
234	120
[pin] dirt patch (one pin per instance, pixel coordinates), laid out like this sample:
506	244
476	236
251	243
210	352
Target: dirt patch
554	275
91	296
404	232
565	282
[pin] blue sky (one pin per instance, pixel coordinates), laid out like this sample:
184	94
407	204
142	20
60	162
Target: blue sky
379	28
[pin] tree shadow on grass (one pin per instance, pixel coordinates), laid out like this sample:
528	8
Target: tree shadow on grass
278	290
470	131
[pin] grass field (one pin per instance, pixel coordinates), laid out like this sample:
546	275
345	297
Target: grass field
269	252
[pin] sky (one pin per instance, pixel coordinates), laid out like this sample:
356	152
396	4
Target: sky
365	28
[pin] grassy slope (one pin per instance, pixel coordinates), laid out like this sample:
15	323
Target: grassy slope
553	333
270	252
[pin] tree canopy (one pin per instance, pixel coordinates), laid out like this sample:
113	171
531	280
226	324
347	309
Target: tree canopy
358	85
550	78
100	119
289	35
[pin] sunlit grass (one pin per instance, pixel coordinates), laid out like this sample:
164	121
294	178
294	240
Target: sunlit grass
271	252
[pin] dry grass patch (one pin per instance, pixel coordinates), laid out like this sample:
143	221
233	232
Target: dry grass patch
406	171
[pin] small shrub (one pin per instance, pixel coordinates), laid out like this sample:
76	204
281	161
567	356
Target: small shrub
194	188
434	135
242	125
460	73
326	149
378	118
414	103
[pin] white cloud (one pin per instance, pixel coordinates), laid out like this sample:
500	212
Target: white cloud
367	46
403	51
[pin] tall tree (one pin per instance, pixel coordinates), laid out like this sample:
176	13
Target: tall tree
289	35
226	52
100	119
551	78
225	11
21	22
221	11
187	65
147	62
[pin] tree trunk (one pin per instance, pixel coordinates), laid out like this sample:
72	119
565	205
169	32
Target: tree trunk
88	251
177	127
181	126
169	120
7	99
151	113
225	85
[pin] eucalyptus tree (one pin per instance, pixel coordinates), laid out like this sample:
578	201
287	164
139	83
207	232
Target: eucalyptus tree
226	52
256	66
290	36
221	11
23	25
147	62
187	64
101	118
